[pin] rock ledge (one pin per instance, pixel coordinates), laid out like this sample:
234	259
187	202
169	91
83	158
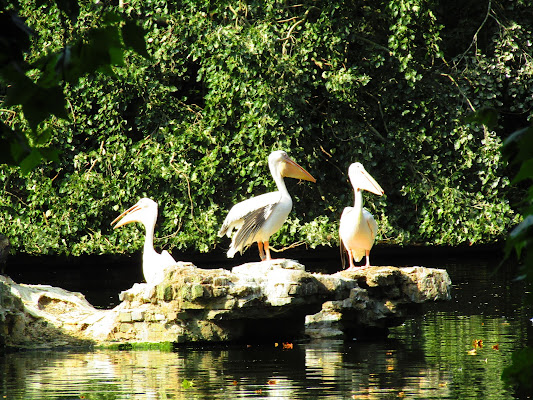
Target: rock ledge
276	300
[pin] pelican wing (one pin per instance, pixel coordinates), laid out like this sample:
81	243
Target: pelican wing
237	214
248	217
253	222
342	247
371	222
343	250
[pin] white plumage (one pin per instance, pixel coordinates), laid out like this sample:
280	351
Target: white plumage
258	218
154	263
358	227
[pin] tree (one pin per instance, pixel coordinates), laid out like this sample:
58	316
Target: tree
37	87
518	149
388	84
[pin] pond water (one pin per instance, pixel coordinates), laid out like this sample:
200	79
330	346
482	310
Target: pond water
450	350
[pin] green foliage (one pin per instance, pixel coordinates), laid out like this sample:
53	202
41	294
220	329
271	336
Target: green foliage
388	84
518	149
520	372
35	85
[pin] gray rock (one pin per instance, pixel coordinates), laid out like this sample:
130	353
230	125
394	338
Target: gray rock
267	300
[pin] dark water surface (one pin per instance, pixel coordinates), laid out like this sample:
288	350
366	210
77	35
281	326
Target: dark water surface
431	356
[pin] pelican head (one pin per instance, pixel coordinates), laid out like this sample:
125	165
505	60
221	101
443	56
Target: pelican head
281	164
362	180
144	211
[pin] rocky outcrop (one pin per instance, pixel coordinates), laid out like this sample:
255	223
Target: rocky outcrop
377	298
41	316
268	300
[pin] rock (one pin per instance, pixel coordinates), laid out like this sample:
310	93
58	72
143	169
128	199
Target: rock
275	300
39	316
379	298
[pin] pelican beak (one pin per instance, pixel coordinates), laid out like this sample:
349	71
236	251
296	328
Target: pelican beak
128	216
366	182
290	169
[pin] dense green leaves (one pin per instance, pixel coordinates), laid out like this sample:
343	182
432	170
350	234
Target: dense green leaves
520	372
389	84
36	83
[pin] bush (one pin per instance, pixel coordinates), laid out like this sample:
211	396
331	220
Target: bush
389	84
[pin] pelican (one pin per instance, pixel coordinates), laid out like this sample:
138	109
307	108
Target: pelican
154	263
358	227
258	218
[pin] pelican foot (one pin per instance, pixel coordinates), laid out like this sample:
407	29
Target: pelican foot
357	267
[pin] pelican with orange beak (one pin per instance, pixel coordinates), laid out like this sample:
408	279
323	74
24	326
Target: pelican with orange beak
258	218
358	227
154	263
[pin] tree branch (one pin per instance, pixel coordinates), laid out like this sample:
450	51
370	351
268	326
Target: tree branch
474	39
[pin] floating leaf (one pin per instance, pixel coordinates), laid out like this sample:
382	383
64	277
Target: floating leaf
186	384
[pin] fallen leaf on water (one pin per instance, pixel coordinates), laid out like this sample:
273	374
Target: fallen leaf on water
186	384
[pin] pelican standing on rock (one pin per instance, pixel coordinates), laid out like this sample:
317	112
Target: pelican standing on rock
258	218
358	227
154	263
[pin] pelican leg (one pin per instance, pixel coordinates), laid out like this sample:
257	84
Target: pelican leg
350	256
267	251
261	252
367	252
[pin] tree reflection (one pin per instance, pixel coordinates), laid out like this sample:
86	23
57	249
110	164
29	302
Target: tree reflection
453	350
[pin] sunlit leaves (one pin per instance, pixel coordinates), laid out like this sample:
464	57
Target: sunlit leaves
71	55
331	83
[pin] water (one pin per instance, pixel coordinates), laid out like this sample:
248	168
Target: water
451	350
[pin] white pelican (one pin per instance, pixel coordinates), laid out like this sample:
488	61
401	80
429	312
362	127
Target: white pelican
358	227
154	263
258	218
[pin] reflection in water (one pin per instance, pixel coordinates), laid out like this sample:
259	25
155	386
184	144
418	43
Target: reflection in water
430	356
434	363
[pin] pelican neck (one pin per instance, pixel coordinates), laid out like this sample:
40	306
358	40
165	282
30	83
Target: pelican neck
149	238
280	182
358	199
